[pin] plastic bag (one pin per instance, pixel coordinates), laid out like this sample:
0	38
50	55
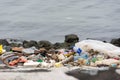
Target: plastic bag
99	46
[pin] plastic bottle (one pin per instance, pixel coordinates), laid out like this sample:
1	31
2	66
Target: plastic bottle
77	50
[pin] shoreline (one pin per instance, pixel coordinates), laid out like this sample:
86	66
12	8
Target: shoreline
70	73
69	41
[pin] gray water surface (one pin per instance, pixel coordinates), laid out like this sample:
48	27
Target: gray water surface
53	19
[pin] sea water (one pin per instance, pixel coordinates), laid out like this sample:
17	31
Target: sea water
53	19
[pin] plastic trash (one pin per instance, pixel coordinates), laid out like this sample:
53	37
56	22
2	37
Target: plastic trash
39	60
76	58
82	61
22	59
107	62
29	50
61	57
7	48
1	49
114	65
87	62
14	62
68	54
118	66
100	47
84	56
17	49
77	50
94	59
100	57
57	65
30	63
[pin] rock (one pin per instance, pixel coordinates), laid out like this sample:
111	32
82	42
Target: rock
59	45
18	41
71	38
25	44
4	42
45	44
69	45
116	42
33	43
28	44
14	42
15	45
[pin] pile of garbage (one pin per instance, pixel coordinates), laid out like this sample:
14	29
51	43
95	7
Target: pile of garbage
85	53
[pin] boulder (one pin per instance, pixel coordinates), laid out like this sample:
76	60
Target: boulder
33	43
28	44
71	38
15	45
59	45
116	42
4	42
45	44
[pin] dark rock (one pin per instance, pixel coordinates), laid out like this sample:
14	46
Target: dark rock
71	38
4	42
15	45
33	43
69	45
45	44
28	44
59	45
116	42
15	41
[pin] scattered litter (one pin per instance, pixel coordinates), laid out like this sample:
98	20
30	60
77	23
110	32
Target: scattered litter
87	54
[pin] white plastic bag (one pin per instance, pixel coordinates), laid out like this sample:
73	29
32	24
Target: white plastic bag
101	47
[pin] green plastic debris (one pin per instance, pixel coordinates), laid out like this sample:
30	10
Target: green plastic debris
94	60
39	60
